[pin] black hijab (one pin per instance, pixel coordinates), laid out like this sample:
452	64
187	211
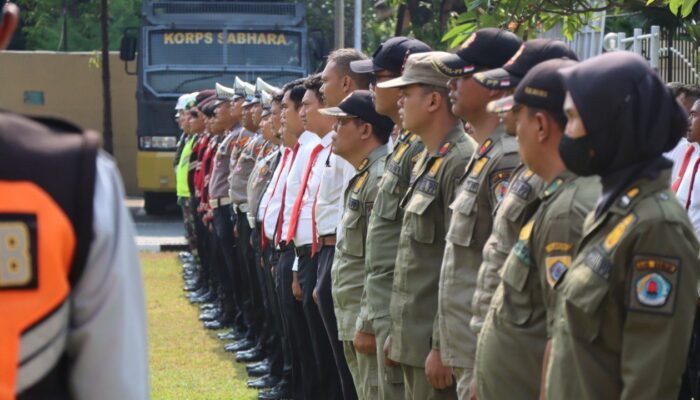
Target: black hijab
628	112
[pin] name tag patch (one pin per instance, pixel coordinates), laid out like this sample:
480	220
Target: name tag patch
427	185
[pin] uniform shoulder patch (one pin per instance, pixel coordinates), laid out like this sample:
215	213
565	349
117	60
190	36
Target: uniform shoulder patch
652	284
478	166
400	151
526	231
485	147
435	168
615	236
360	182
627	198
427	185
556	267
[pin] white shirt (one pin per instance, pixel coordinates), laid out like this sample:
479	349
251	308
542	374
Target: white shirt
676	155
307	142
268	191
272	206
107	334
304	233
684	194
331	203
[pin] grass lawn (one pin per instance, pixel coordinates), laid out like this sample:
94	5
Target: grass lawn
187	362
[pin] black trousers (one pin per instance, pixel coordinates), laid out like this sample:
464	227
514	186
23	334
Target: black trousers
249	280
328	383
303	360
269	334
235	303
202	245
281	356
325	307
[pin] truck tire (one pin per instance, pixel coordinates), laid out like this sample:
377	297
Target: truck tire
158	203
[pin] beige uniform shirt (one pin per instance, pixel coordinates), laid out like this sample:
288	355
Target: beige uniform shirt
348	270
384	229
414	298
481	188
516	208
511	345
626	306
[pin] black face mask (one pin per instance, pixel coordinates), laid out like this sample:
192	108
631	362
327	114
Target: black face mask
580	157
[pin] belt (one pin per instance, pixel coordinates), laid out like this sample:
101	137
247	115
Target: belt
241	208
303	251
328	240
221	201
284	246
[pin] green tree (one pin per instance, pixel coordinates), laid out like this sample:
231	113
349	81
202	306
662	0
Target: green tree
42	23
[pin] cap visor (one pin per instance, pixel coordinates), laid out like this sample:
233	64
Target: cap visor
501	105
452	66
335	112
397	82
497	78
363	67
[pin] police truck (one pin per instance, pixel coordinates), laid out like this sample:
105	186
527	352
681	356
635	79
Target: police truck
186	46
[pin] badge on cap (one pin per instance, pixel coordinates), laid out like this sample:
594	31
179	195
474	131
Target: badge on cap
653	290
556	267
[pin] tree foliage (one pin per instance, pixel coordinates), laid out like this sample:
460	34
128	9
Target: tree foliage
42	23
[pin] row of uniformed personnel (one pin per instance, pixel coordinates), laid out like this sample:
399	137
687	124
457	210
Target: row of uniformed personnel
441	263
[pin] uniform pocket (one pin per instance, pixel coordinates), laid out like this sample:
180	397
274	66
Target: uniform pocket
353	243
517	301
463	222
514	209
387	205
423	221
583	291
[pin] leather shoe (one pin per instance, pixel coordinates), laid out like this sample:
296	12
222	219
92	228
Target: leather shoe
279	392
259	370
258	364
252	355
216	324
241	345
233	335
265	382
210	315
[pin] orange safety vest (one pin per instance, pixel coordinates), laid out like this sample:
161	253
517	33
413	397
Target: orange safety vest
47	179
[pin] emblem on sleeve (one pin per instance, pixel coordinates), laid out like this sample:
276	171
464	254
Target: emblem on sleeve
652	284
653	290
499	184
556	267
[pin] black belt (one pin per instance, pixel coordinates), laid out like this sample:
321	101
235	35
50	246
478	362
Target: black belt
284	246
303	251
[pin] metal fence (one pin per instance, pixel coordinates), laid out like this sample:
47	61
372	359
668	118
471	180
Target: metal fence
671	52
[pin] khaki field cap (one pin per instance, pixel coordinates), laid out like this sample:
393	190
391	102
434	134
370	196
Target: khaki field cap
418	69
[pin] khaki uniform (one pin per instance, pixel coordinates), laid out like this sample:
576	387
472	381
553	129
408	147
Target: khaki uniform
626	306
414	299
348	271
382	243
482	186
517	207
511	345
